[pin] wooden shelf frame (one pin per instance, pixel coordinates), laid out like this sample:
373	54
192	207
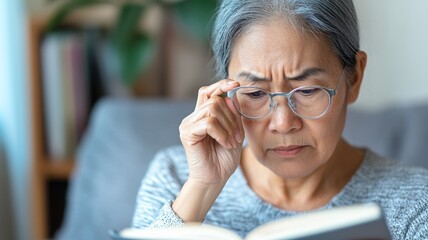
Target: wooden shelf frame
38	208
43	168
58	169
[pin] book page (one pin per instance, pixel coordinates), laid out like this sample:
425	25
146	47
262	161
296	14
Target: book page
188	232
317	222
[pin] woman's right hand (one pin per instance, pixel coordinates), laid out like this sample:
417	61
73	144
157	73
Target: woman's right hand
212	138
212	135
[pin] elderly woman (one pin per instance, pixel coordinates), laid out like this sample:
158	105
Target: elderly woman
289	68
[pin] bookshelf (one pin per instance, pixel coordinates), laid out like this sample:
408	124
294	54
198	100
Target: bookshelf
176	72
49	176
43	169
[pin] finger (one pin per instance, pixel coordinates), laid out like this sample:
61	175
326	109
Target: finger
215	89
239	134
216	107
209	127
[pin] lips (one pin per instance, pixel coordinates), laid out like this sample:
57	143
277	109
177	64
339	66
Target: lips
288	151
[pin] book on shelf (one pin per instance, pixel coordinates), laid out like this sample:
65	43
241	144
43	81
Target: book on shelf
70	87
362	221
54	111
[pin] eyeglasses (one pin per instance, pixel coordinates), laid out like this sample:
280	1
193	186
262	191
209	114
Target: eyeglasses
310	102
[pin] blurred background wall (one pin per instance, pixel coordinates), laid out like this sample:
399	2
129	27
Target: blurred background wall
394	33
14	127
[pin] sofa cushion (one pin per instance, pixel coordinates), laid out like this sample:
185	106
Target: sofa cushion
122	138
400	132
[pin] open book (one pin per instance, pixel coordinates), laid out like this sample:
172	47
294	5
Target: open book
364	221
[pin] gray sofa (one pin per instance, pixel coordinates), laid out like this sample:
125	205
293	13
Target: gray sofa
124	135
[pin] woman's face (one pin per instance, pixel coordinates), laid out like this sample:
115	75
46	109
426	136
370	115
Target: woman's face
279	58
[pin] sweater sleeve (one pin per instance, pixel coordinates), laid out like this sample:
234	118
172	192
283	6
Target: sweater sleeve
418	228
157	191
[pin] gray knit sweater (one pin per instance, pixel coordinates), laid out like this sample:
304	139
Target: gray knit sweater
401	191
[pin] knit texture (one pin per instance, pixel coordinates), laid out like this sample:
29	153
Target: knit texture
401	191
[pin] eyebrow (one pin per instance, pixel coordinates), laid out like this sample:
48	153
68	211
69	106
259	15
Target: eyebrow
251	77
302	76
306	73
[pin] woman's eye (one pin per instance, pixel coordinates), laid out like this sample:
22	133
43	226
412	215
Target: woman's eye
308	91
256	94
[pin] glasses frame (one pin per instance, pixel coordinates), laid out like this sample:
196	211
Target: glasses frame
331	92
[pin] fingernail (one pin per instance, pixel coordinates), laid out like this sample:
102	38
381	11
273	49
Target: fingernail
230	82
238	137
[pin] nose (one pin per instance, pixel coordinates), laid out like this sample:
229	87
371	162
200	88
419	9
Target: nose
282	118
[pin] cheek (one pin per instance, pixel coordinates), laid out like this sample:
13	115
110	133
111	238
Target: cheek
330	127
250	128
254	133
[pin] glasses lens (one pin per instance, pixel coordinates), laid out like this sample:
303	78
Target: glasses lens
310	102
252	102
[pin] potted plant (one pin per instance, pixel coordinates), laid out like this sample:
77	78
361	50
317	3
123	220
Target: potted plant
132	47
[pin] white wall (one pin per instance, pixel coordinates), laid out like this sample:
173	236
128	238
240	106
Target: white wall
394	33
14	122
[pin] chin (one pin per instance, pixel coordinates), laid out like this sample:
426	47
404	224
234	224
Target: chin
293	169
293	173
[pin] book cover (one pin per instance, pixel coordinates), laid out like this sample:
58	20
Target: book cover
54	112
362	221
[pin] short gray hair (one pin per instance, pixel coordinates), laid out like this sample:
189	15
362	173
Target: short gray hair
336	19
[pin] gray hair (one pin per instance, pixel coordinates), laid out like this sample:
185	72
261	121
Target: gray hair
336	19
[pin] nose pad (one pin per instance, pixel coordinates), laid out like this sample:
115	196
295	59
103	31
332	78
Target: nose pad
287	104
292	105
272	105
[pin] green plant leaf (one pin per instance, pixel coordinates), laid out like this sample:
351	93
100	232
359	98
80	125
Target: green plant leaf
196	16
135	50
67	8
127	24
135	58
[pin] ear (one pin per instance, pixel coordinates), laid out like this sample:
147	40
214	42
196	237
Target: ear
357	77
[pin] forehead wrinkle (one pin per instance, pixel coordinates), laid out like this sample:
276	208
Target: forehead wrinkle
306	73
251	76
279	60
